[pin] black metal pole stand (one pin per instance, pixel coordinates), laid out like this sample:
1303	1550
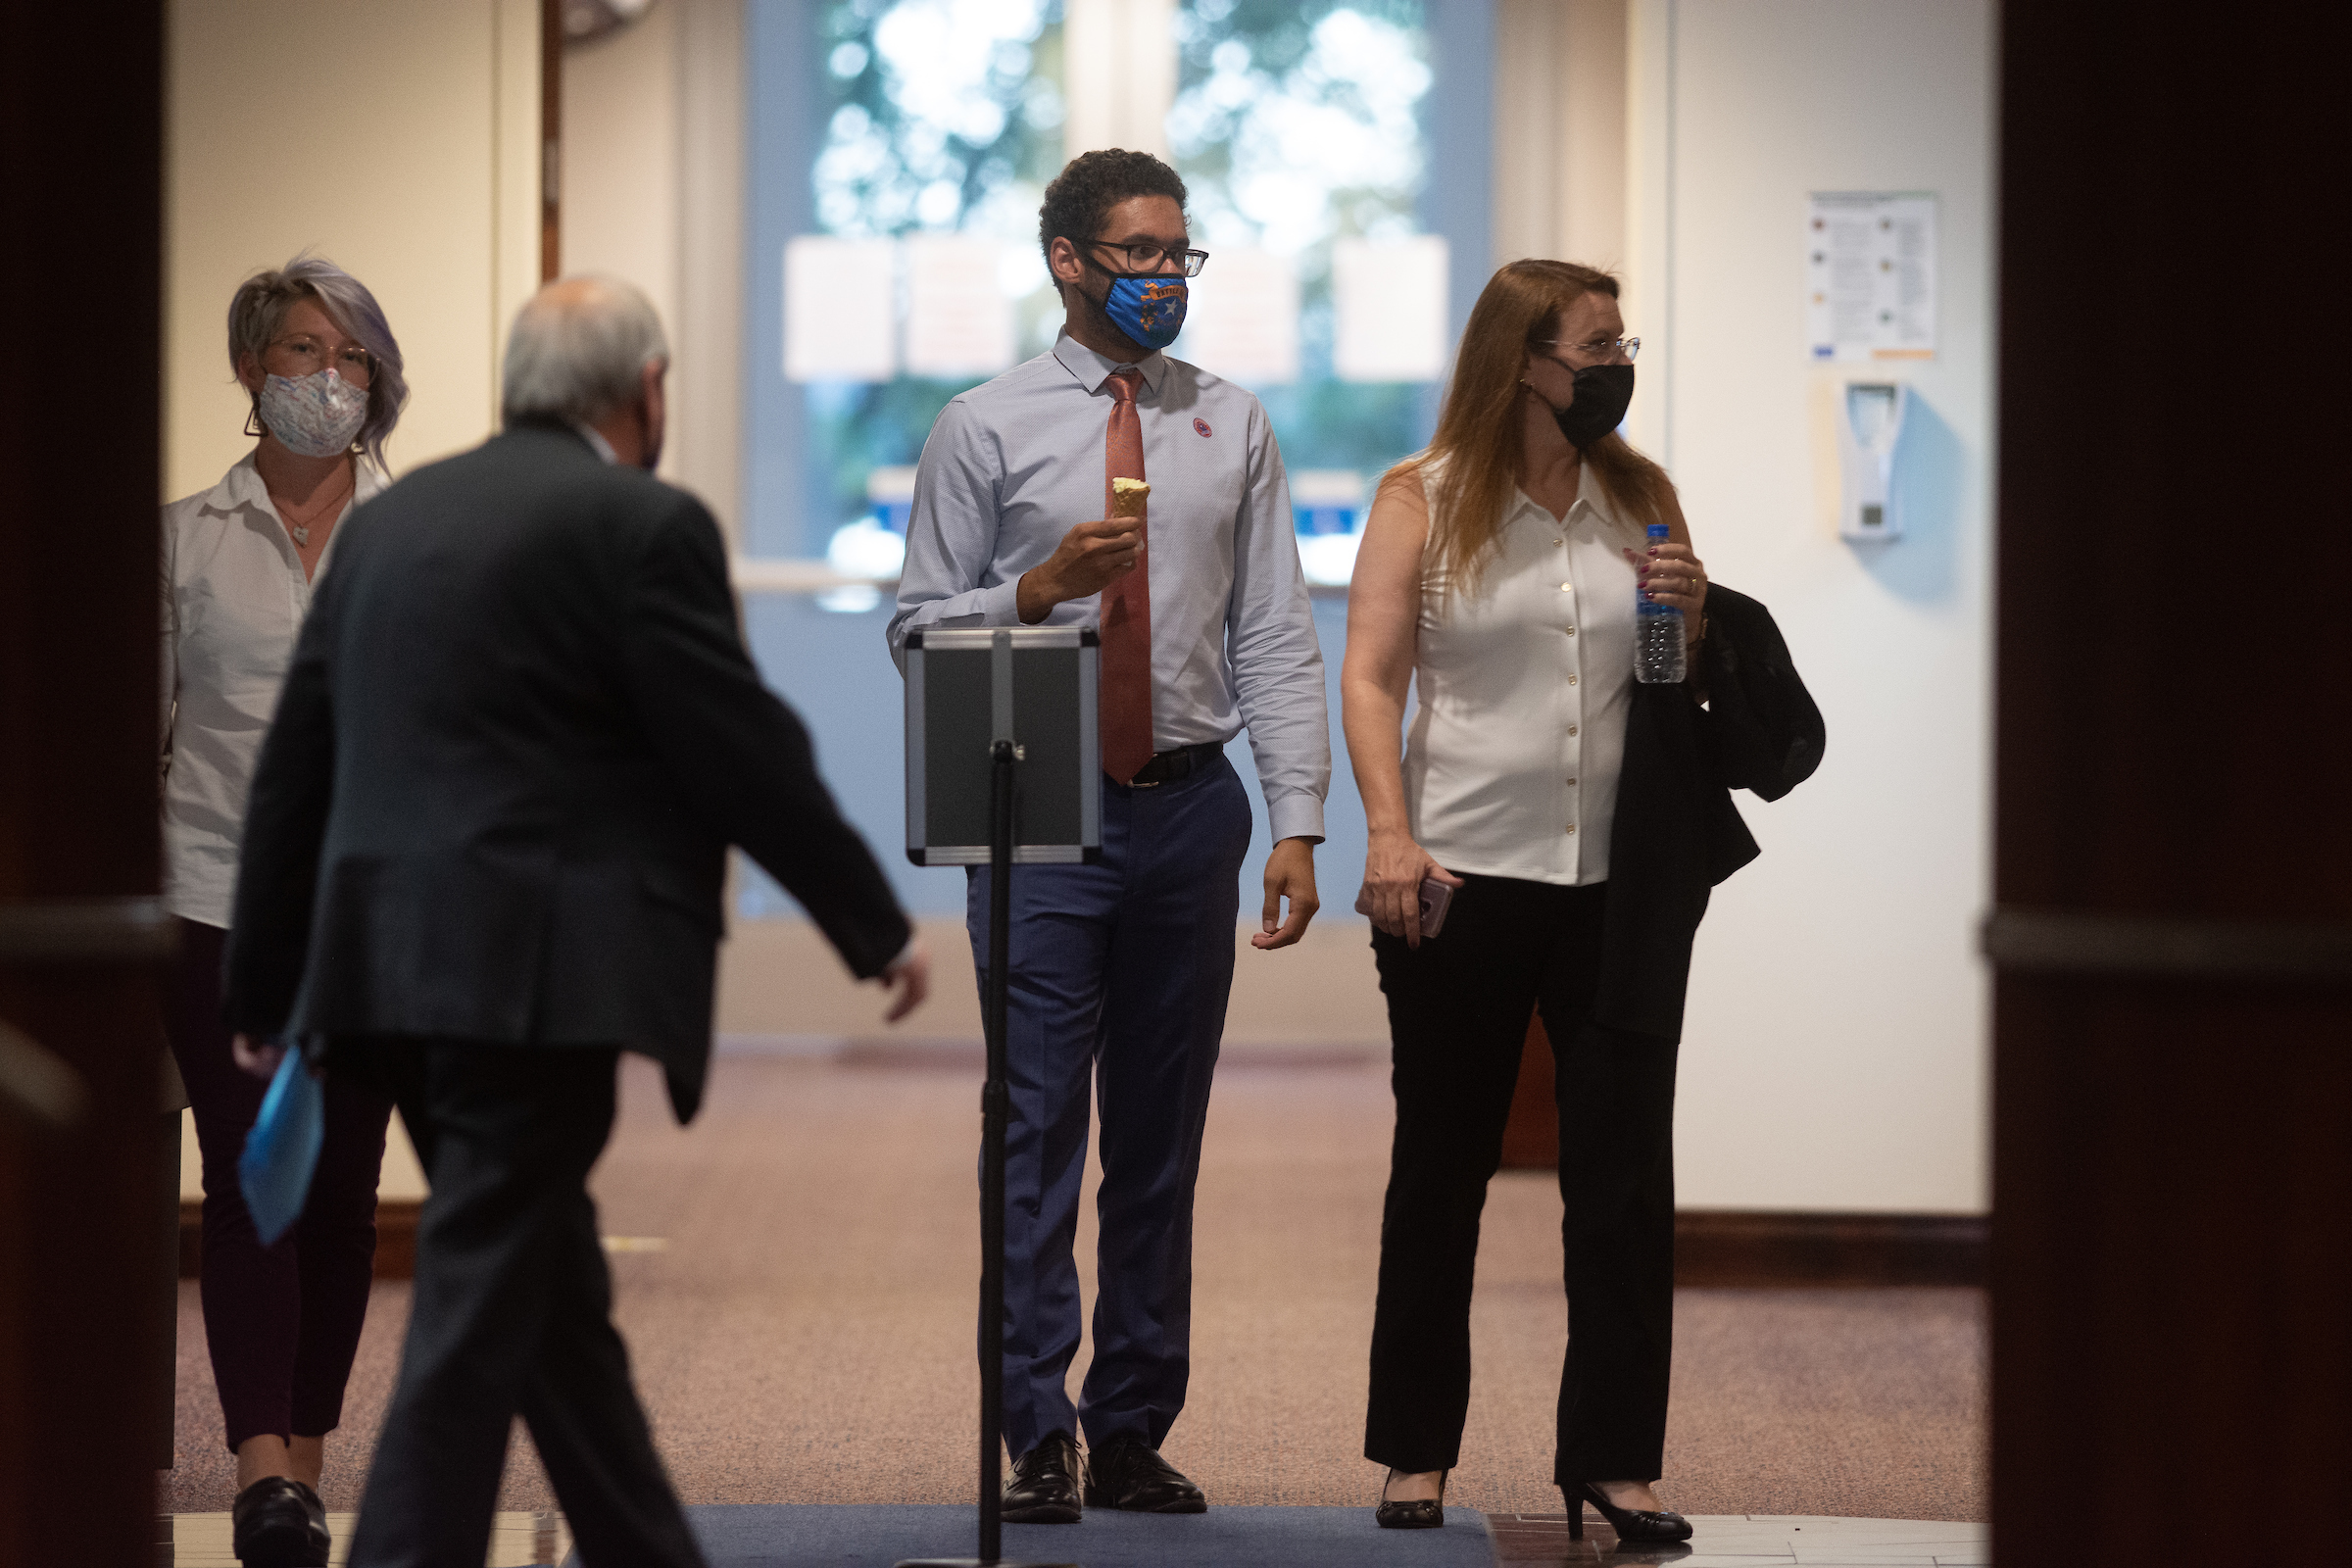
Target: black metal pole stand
996	1098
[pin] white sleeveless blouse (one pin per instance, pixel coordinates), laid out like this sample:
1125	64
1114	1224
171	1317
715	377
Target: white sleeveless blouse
1511	760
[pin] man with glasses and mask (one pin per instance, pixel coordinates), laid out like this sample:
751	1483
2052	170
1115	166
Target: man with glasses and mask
1120	969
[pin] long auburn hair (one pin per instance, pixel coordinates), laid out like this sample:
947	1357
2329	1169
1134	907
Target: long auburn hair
1480	436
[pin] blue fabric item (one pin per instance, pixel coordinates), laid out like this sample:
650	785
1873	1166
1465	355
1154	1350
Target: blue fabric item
840	1536
282	1149
1120	972
1148	308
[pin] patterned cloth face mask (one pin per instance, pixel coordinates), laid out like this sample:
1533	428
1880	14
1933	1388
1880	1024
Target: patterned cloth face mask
1147	307
316	416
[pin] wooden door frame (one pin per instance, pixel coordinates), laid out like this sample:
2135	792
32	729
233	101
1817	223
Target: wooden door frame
80	926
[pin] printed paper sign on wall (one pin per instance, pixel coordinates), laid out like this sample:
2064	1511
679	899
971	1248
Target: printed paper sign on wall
1870	275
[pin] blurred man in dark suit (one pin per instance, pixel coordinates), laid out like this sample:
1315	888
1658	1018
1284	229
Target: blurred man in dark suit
483	856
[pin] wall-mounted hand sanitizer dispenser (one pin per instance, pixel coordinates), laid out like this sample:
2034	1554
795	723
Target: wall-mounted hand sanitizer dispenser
1870	425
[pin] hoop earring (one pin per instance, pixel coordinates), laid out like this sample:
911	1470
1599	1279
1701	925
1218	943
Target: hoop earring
253	419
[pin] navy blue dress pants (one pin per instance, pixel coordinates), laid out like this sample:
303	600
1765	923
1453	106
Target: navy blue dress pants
1120	972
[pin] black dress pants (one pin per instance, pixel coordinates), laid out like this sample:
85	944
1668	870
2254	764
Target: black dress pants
511	1314
282	1322
1459	1009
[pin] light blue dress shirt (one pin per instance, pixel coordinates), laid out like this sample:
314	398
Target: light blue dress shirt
1014	465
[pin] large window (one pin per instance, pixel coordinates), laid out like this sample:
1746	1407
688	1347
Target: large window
1297	128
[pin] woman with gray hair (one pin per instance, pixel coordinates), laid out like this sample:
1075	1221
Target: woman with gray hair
310	347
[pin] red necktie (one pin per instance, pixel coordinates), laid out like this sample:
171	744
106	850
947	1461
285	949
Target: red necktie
1125	700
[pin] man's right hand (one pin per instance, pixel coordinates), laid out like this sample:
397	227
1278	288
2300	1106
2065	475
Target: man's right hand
1089	559
908	980
260	1061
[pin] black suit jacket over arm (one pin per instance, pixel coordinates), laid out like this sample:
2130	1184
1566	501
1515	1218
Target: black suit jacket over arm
1676	833
519	733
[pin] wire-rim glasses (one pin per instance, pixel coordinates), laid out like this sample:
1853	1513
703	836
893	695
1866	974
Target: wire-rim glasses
1600	348
309	356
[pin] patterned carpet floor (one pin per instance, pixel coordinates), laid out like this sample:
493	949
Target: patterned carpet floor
795	1275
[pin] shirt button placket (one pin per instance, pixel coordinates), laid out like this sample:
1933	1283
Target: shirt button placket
1569	645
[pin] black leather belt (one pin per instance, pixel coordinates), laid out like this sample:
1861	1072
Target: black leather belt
1166	768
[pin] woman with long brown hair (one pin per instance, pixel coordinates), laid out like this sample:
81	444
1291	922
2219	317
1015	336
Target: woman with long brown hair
1567	823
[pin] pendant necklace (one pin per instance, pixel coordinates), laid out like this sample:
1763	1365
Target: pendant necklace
302	530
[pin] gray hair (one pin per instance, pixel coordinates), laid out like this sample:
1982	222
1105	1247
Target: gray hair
258	310
580	350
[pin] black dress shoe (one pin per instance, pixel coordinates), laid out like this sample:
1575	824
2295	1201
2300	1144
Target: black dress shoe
1630	1524
1128	1473
1411	1513
277	1523
1044	1490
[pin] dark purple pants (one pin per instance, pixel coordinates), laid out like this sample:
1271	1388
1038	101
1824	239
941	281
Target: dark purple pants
282	1322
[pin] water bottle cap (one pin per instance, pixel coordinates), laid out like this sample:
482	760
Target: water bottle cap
1658	532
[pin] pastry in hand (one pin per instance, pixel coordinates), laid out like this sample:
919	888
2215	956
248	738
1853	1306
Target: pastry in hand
1127	497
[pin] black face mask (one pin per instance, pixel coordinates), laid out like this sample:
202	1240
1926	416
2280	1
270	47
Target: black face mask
1603	392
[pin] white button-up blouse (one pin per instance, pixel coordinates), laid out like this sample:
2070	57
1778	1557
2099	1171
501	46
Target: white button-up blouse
1511	762
233	601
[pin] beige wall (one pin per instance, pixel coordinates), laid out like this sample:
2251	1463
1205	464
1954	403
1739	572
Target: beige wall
1836	1048
400	141
652	192
1560	131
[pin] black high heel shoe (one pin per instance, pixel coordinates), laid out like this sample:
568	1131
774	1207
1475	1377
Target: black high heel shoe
278	1523
1630	1524
1415	1513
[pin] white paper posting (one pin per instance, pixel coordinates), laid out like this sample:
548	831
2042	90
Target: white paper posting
839	314
1388	309
960	321
1241	320
1870	275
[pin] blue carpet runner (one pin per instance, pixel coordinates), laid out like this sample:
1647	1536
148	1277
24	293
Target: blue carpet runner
875	1536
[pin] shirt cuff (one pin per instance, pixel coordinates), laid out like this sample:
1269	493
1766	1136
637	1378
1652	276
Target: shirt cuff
1294	816
1000	606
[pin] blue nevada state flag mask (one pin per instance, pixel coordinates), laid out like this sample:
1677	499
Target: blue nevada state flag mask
1149	307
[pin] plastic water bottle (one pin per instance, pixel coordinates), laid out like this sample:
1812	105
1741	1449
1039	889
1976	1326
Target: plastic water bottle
1659	656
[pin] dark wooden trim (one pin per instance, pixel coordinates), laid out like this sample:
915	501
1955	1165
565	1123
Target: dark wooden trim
2168	948
551	140
36	1086
93	930
85	1359
395	1238
1733	1247
1712	1247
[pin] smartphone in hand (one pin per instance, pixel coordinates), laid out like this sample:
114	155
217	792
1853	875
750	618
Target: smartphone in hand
1435	898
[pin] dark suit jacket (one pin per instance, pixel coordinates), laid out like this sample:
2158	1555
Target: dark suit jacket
519	732
1676	833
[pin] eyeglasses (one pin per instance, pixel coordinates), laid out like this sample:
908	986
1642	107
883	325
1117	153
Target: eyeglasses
308	357
1147	258
1599	348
